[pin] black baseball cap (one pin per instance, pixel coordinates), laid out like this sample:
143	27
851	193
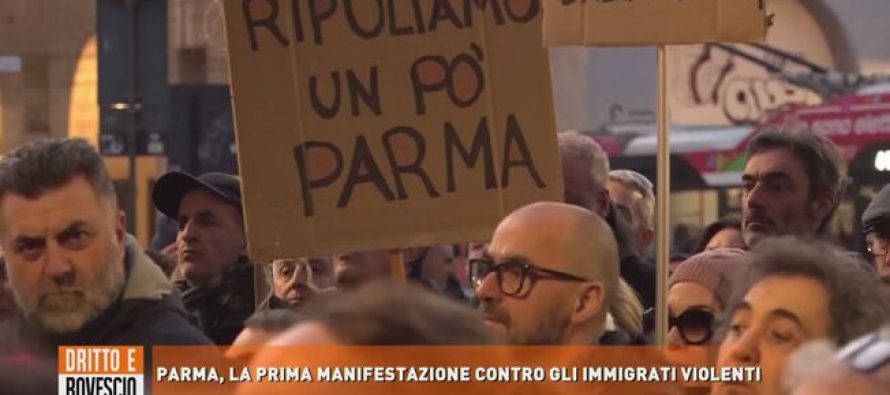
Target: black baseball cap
171	187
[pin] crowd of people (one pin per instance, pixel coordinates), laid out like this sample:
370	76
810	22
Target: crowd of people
762	290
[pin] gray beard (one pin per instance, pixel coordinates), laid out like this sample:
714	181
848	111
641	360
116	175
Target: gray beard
69	312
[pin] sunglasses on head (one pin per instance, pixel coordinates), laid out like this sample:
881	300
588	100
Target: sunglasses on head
695	325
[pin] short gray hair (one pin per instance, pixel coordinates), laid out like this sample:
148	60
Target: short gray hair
632	180
576	147
35	168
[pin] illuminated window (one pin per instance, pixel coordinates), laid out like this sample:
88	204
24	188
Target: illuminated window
882	160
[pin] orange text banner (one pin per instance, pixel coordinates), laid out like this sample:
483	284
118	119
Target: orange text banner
436	370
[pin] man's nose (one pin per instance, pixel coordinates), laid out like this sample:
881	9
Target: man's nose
674	338
745	350
58	267
488	288
301	275
189	231
754	197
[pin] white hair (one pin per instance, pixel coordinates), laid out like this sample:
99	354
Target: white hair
584	150
645	207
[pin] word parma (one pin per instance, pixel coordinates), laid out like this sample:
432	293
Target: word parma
186	374
363	167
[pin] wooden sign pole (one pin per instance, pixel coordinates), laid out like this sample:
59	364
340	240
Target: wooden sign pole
663	193
397	266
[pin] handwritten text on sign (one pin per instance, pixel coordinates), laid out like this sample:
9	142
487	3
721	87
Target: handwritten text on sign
430	104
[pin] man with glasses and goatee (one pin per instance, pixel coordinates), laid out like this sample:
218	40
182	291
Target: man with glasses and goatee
548	276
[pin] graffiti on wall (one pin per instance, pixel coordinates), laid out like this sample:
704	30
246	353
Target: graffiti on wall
736	90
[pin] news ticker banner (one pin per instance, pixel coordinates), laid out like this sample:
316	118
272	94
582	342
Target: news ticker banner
391	370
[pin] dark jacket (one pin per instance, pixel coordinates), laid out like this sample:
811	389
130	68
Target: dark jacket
148	312
273	302
220	311
640	274
165	232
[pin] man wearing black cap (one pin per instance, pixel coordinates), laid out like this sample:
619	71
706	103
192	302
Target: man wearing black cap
876	226
217	285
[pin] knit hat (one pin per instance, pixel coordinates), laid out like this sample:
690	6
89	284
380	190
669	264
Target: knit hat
717	270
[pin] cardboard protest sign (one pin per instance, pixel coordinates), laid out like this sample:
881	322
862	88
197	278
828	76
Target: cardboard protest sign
647	22
368	124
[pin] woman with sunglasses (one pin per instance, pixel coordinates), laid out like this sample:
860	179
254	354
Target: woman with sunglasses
699	290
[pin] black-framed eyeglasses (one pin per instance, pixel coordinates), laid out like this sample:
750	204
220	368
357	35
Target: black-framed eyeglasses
512	275
695	325
877	246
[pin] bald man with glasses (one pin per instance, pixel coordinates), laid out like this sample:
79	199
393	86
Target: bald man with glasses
548	276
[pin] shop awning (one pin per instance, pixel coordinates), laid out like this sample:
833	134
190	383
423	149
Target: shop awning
701	156
686	140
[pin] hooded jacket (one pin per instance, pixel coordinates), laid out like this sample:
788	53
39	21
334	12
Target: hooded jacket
220	311
148	312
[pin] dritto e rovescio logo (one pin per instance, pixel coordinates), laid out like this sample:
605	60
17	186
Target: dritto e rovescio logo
105	370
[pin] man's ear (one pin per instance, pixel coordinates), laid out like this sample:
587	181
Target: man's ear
823	207
646	237
589	303
120	226
602	203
